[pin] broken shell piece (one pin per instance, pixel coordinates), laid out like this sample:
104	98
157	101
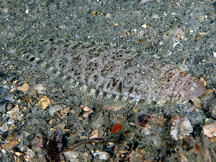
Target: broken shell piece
110	144
19	154
39	88
24	87
209	91
95	133
180	127
44	102
87	110
10	145
15	113
86	115
209	130
71	155
197	102
203	82
185	127
102	155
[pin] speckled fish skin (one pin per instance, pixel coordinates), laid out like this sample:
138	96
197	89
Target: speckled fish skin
111	72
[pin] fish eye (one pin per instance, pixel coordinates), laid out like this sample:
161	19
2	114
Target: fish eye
193	86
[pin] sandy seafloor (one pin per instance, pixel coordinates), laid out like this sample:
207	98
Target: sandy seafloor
182	32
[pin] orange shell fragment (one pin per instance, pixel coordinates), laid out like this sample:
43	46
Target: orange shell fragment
116	128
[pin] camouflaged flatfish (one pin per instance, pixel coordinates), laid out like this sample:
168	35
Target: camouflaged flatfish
110	73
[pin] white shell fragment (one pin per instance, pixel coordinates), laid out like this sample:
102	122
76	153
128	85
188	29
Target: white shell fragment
15	113
180	127
39	88
209	130
71	156
54	108
102	155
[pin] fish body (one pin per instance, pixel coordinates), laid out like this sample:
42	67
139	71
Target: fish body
110	73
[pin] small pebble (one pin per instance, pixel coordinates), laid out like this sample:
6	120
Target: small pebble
4	127
141	33
144	1
2	108
62	26
65	112
2	90
53	109
108	15
197	102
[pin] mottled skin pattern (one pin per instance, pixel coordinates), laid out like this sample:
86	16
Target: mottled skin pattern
115	71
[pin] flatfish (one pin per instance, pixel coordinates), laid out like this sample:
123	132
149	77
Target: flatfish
108	73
